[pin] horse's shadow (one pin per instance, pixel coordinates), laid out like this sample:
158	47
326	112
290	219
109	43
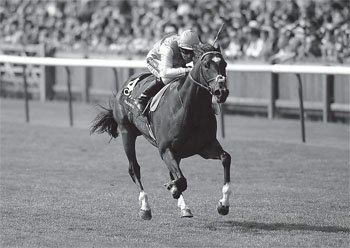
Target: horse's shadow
251	226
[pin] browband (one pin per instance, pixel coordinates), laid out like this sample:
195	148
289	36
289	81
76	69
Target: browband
210	52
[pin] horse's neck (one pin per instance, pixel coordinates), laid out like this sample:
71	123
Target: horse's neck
195	100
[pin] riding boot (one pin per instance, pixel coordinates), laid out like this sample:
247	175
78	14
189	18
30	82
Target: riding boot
149	92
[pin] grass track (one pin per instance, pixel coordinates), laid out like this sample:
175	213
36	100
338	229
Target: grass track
61	187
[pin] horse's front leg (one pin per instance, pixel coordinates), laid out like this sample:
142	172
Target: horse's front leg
179	183
185	210
215	151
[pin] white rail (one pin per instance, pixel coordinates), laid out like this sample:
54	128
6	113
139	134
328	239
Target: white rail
312	69
72	62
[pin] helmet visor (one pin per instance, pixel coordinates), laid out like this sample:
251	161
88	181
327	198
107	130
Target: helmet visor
186	51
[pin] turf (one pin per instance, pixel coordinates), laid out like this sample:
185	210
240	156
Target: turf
61	187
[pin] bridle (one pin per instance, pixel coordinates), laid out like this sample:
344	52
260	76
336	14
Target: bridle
207	81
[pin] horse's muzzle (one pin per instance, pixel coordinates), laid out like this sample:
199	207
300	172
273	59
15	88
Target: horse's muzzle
221	93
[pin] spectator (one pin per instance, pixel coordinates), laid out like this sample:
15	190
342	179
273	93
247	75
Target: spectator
234	49
255	44
329	51
118	25
287	47
269	36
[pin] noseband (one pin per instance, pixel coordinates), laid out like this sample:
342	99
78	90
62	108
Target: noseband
207	82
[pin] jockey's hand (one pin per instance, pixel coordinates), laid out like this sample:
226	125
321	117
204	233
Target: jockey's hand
189	65
187	70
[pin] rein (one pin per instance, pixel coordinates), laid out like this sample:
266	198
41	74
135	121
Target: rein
207	88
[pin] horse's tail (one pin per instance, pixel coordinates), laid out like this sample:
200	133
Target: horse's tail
105	122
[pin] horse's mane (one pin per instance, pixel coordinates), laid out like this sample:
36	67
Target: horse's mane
200	49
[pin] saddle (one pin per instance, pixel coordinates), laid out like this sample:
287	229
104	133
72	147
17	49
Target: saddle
132	90
136	86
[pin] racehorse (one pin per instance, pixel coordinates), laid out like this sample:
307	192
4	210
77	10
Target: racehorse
182	125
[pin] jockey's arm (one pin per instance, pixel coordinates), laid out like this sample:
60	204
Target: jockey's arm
166	70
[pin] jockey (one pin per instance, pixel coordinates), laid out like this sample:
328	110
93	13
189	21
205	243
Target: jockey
167	61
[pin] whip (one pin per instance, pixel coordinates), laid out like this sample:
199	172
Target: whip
217	35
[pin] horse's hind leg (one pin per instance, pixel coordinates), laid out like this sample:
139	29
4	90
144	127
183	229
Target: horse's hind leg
129	139
215	151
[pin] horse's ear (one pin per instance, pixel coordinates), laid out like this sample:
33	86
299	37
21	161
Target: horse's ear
197	52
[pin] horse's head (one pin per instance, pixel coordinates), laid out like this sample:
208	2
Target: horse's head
210	71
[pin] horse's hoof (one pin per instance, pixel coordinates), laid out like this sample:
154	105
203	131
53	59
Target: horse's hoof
186	213
145	214
223	210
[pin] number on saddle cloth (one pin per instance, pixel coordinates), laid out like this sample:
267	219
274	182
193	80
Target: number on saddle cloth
128	90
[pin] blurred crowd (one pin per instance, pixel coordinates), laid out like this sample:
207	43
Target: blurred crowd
263	30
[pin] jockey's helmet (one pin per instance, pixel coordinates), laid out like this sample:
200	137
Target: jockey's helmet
188	40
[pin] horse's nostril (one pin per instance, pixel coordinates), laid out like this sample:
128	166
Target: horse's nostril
217	92
220	78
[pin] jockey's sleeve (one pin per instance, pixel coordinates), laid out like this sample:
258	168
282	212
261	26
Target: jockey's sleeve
166	70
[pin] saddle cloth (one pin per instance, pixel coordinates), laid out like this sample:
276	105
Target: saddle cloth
156	99
136	86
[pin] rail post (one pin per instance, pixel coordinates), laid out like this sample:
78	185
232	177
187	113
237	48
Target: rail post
70	108
327	97
86	85
115	71
88	75
271	108
25	85
301	104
